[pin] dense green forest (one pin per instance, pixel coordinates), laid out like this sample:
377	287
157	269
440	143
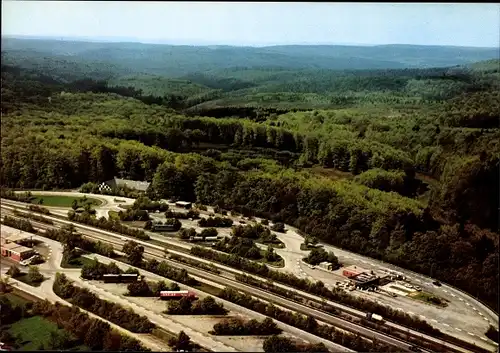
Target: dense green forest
397	164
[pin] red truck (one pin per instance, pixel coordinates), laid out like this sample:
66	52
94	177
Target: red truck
169	294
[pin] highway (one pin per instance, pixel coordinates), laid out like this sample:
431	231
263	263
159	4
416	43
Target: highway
143	305
465	322
158	252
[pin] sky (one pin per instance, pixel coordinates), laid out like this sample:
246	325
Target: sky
257	24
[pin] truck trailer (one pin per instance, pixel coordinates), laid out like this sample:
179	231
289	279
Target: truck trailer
374	317
120	278
170	294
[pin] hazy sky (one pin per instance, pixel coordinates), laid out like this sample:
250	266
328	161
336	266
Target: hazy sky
259	23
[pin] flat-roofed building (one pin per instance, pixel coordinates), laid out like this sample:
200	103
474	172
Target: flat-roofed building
326	265
353	271
16	252
365	280
184	204
120	183
15	238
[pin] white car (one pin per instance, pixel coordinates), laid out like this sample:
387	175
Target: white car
31	260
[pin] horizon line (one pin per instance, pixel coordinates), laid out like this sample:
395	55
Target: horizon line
119	39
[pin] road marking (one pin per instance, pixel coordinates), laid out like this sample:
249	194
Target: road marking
470	333
474	309
481	314
456	328
467	304
453	295
445	324
461	299
486	319
484	338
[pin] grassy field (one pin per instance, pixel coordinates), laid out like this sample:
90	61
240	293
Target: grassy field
407	291
15	299
277	245
77	262
429	299
61	201
25	279
208	289
279	263
33	332
113	215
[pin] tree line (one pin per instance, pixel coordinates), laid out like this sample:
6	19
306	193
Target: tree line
257	232
306	323
239	327
113	312
107	224
185	260
205	306
283	344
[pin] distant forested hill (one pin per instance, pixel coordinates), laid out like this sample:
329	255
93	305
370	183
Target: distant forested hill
176	61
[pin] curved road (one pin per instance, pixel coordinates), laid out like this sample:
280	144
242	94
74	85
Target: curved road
465	317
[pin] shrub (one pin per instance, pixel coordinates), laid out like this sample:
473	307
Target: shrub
278	227
207	306
14	272
34	275
238	327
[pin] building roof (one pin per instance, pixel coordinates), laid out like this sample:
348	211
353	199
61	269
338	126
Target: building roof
9	246
355	269
12	238
365	277
19	249
131	184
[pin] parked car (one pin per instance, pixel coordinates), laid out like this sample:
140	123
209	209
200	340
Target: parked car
35	259
437	283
